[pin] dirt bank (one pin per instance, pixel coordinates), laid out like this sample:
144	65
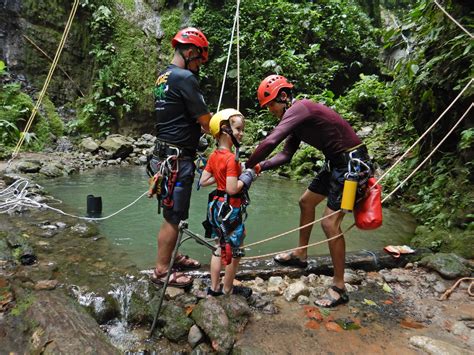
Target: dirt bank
390	322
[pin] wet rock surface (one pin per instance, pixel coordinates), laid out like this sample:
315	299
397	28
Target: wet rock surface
390	309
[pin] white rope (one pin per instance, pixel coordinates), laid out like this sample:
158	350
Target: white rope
15	197
228	55
452	19
426	132
429	155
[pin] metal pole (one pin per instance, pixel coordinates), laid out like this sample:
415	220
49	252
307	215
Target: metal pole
199	239
182	225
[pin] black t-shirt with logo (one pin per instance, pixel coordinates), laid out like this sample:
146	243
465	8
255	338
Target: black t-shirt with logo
178	105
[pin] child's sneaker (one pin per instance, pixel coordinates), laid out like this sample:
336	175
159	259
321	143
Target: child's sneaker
212	293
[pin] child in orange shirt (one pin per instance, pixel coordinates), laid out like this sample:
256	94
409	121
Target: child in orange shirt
226	209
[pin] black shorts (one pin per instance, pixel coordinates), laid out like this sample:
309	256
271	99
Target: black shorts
329	184
181	193
330	181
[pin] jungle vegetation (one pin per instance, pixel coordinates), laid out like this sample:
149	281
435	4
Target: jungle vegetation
390	67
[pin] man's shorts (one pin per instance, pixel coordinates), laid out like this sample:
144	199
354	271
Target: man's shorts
182	191
237	235
329	184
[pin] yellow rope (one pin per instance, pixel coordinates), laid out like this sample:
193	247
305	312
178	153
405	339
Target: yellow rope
445	295
293	230
47	81
299	248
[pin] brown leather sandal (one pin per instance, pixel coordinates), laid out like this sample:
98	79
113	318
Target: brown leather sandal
184	262
175	280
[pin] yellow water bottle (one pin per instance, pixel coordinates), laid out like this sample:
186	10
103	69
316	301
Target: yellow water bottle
349	193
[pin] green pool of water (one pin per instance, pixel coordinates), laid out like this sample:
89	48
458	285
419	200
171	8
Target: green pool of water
273	210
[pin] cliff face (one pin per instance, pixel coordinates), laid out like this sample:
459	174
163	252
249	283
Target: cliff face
109	62
28	28
10	32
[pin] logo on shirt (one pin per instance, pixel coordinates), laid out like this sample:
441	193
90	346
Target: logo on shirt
161	86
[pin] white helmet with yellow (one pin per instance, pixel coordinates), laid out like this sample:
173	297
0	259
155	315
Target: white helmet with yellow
221	117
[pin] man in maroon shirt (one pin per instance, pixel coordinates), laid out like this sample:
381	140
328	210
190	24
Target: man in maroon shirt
322	128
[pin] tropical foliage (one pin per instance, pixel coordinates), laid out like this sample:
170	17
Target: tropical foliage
323	45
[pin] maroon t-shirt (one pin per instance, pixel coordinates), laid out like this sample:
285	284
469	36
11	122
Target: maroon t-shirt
312	123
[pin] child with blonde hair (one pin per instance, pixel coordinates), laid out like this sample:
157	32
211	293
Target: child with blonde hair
226	209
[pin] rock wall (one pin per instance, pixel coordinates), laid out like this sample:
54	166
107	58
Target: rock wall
28	25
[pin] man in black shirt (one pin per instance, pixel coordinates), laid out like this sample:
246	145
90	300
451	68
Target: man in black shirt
181	113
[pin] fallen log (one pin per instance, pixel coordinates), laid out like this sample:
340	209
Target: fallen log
319	265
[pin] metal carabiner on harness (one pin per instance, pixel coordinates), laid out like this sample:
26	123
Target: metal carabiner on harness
357	173
163	181
226	217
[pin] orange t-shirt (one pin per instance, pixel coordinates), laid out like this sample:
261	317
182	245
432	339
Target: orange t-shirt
221	164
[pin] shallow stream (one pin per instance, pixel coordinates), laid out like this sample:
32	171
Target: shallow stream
273	210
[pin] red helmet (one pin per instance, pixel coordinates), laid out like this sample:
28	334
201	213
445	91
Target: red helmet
191	35
269	88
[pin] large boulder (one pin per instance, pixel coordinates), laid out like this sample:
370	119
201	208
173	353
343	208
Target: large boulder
29	166
212	319
62	327
119	146
51	170
221	319
449	266
88	145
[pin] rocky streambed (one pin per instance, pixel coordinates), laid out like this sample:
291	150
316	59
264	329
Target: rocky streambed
65	288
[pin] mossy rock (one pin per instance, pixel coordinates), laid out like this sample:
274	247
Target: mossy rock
211	317
140	310
449	266
107	309
456	241
84	230
176	323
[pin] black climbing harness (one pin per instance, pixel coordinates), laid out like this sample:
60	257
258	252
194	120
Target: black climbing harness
163	181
